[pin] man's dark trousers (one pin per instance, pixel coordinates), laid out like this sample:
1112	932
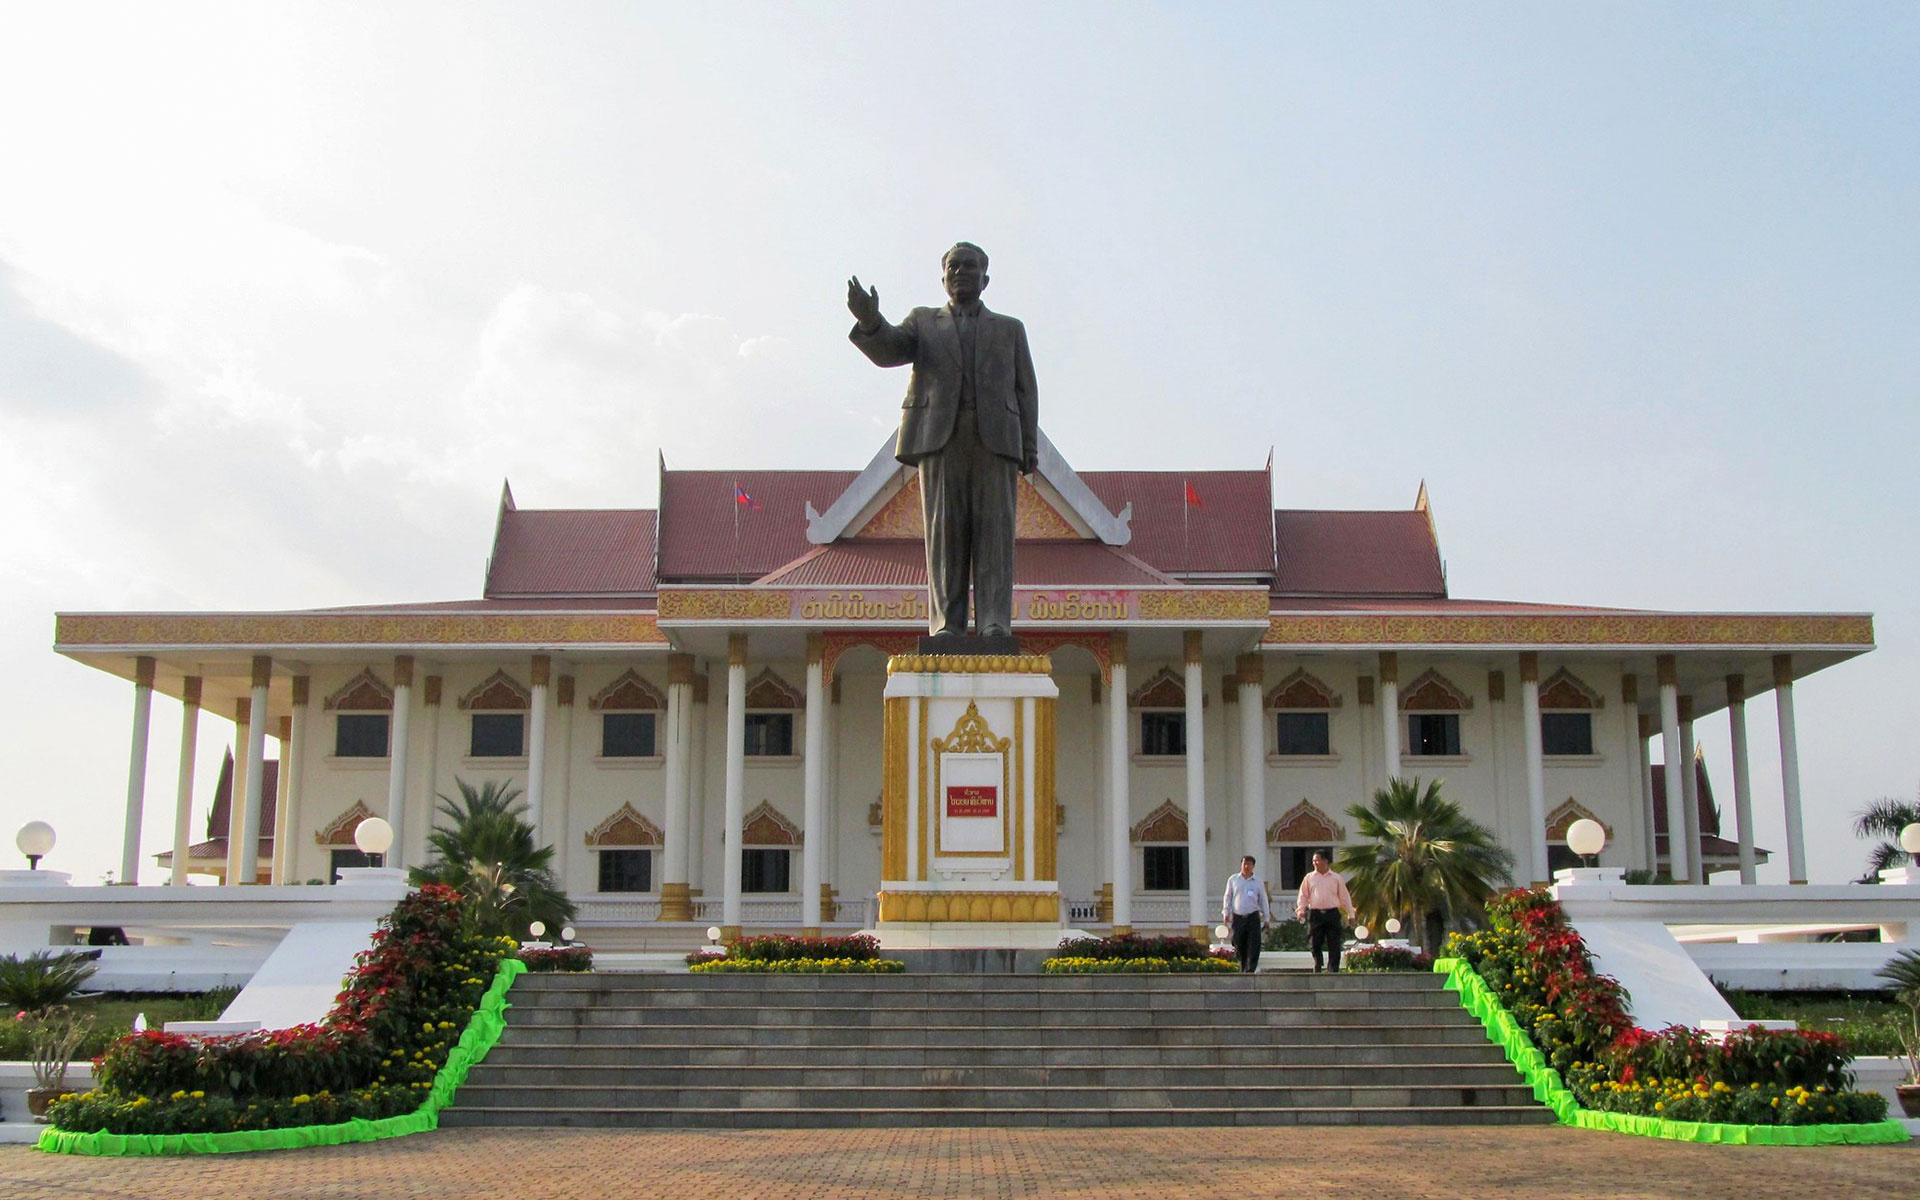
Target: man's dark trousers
1323	933
1246	941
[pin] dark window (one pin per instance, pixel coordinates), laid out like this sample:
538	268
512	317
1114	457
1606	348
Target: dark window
763	870
499	735
345	858
1559	858
1166	868
626	870
1301	733
1163	733
626	735
1566	733
1295	862
360	735
770	735
1433	733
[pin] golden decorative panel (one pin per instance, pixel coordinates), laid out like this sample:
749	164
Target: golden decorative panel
971	735
1046	812
768	690
970	664
363	693
1304	822
765	826
724	604
1302	690
499	693
340	831
1838	630
1569	811
1564	689
76	631
893	790
1164	825
1035	520
1204	604
889	644
1162	689
627	693
625	828
899	517
1434	692
998	907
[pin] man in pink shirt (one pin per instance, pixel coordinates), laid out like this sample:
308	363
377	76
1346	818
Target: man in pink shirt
1323	901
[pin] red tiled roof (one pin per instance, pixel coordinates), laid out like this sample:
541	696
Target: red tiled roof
573	551
904	564
1226	532
1432	604
1709	811
1356	554
697	532
223	799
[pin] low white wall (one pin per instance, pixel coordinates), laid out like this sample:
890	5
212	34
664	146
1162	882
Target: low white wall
15	1078
1794	966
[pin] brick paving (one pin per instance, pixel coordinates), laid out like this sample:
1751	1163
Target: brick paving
1161	1164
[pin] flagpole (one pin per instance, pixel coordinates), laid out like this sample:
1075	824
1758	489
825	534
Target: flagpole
736	532
1186	502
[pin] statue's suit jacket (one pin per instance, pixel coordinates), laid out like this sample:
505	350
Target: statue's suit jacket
1005	398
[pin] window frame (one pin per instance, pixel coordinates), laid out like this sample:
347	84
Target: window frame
653	734
601	863
1546	751
748	874
1141	716
386	734
1458	752
793	735
491	714
1148	871
1273	731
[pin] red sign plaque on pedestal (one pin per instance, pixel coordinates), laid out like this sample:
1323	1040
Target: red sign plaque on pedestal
973	801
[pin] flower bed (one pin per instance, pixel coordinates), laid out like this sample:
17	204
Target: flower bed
776	954
1131	946
378	1055
799	966
1070	965
1387	958
558	958
1531	979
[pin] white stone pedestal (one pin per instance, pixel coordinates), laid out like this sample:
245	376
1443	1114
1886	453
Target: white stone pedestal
968	814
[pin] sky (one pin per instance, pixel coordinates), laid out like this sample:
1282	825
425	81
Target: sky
287	291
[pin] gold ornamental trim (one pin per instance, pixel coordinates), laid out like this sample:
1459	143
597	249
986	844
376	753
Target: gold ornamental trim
1204	604
1046	810
970	664
893	788
724	604
77	631
998	907
1838	630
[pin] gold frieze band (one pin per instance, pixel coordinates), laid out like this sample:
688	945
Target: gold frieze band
970	664
996	907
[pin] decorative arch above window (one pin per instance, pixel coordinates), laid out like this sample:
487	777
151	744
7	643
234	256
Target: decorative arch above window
1165	825
363	693
1302	690
500	693
1304	822
1569	811
1434	692
628	693
1563	690
1163	689
340	831
765	826
625	829
768	690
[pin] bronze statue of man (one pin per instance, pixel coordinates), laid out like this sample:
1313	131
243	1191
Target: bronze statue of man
970	423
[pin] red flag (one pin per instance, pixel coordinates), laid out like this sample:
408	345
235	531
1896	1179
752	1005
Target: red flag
1193	497
742	498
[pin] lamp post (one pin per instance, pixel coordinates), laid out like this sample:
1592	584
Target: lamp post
35	840
1587	838
373	836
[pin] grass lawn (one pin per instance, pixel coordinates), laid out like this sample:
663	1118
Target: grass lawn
1869	1020
113	1015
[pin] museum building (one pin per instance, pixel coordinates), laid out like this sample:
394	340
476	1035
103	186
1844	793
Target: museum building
690	699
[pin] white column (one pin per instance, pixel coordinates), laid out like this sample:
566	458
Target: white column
697	721
1119	811
430	700
236	786
561	793
183	793
1679	867
1390	715
256	769
1630	713
736	795
813	783
1690	790
1536	768
675	902
293	767
1742	781
282	797
1789	767
1250	678
1497	749
1199	884
537	748
143	669
1645	726
397	758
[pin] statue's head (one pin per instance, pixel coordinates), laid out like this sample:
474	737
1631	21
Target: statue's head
964	270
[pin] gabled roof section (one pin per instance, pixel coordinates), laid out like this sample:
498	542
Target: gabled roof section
1226	533
884	475
710	535
1363	553
571	552
896	563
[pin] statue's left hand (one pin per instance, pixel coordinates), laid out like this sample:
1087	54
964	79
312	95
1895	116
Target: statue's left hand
863	303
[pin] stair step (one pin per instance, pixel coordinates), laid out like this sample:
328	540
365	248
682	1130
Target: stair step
1282	1075
945	1117
1475	1053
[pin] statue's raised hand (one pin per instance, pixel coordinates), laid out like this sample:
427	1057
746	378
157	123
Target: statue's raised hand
863	303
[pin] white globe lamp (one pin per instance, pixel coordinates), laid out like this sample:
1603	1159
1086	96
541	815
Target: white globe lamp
374	837
1360	933
1393	926
1909	838
566	933
1587	838
713	934
1221	933
35	840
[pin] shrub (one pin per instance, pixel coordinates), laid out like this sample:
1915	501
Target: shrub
1194	965
798	966
557	958
1285	935
1387	958
705	956
44	977
1131	946
859	947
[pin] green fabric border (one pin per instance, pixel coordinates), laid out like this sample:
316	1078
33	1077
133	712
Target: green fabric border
1551	1090
483	1030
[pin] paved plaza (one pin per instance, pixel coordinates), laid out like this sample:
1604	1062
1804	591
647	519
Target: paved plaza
1161	1164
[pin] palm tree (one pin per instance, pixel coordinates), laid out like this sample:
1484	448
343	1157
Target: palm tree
488	852
1884	818
1422	860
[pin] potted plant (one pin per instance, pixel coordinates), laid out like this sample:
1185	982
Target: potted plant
1903	972
53	1034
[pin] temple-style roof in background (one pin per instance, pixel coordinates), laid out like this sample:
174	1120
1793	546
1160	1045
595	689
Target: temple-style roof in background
605	552
701	510
1321	553
904	564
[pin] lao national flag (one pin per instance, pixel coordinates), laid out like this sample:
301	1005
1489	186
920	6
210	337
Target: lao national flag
742	498
1193	497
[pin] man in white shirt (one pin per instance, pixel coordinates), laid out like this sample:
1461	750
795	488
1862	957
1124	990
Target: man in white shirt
1242	909
1323	901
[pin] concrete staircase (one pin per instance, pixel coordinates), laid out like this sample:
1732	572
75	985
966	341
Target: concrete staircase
767	1051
